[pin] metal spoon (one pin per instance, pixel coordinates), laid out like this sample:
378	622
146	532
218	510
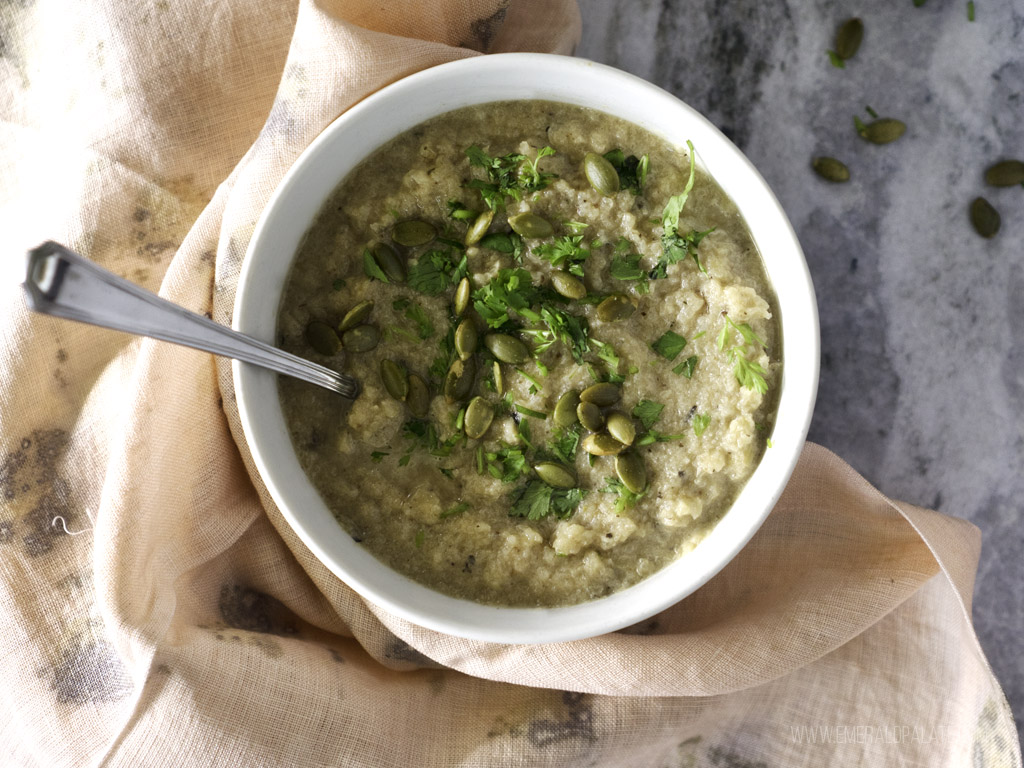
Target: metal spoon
61	283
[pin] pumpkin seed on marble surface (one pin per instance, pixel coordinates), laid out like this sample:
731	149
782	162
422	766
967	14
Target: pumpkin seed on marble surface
555	475
466	338
590	416
1006	173
362	338
831	169
621	427
322	338
602	394
418	397
569	286
395	379
508	349
356	316
458	382
601	444
565	409
984	217
631	471
479	416
389	262
479	227
462	297
883	130
615	308
601	174
413	232
530	225
848	38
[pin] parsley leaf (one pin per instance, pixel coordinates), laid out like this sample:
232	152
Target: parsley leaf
502	181
675	248
459	212
632	170
567	249
626	498
504	242
627	267
700	423
669	345
510	289
648	411
418	315
530	176
436	271
687	367
749	373
507	464
674	206
565	443
654	436
458	509
536	500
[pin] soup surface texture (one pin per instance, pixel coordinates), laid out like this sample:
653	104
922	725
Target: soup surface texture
464	463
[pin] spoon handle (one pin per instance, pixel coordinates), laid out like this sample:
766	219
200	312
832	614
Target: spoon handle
61	283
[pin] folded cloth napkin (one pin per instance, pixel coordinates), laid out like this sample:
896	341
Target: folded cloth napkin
157	610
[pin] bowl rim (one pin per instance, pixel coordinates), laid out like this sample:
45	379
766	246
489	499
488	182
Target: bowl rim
262	426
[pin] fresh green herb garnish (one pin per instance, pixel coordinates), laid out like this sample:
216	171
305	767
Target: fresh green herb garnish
371	269
674	206
632	170
436	271
687	367
445	357
648	411
377	456
572	330
522	409
459	212
530	176
871	112
749	373
669	345
536	500
338	284
523	427
418	315
567	251
676	248
458	509
504	242
510	289
626	498
507	176
970	10
565	443
576	228
653	436
700	422
507	464
421	536
606	353
627	267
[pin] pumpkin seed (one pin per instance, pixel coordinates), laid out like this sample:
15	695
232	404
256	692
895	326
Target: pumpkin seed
984	217
479	227
602	444
848	38
1007	173
362	338
555	475
621	427
631	471
462	296
395	379
322	338
531	225
458	383
356	316
569	286
499	380
831	169
466	338
602	394
590	416
883	130
508	349
413	232
615	308
565	409
601	174
389	262
479	416
418	398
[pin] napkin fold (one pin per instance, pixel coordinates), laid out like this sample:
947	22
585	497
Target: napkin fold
157	609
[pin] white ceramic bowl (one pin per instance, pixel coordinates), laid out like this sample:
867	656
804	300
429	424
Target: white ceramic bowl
402	105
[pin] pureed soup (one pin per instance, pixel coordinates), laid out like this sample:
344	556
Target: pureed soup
568	346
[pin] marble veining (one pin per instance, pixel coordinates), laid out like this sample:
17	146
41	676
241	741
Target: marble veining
922	377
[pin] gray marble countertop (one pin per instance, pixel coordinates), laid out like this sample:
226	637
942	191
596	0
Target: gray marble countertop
922	371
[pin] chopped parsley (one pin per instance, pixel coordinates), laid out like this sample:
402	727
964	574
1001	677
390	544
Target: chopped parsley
669	345
536	500
632	170
565	443
653	436
625	266
700	422
676	248
648	411
606	352
377	456
459	212
572	330
530	177
507	464
510	289
567	251
417	314
504	242
436	271
445	357
749	373
458	509
626	498
507	176
687	367
522	409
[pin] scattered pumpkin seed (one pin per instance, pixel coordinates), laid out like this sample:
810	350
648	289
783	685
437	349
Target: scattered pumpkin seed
555	475
621	427
458	383
466	338
530	225
322	338
479	416
848	38
356	316
479	227
601	174
565	409
395	379
590	416
984	217
362	338
569	286
499	379
882	131
831	169
413	232
631	471
615	308
602	444
389	262
602	394
418	398
508	349
462	296
1007	173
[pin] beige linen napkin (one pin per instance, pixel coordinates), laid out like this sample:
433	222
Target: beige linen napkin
156	609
